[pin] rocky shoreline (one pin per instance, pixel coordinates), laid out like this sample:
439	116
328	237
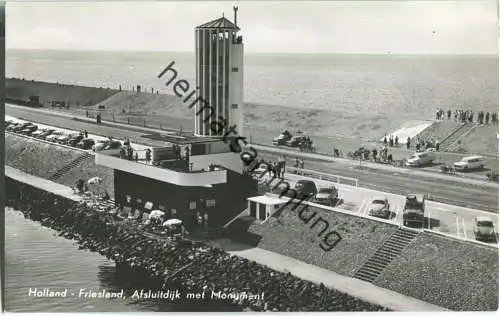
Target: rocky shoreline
194	265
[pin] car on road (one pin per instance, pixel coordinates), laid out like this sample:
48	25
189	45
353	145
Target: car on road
484	229
380	207
327	196
414	209
421	159
282	138
305	189
295	141
470	163
54	136
28	130
85	143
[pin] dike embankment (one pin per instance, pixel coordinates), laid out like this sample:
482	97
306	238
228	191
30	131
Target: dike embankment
433	268
189	266
19	91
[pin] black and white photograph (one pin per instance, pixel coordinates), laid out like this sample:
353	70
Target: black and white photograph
251	156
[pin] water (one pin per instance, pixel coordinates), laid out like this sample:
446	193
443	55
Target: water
37	257
340	94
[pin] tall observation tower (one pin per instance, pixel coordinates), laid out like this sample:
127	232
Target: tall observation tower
219	74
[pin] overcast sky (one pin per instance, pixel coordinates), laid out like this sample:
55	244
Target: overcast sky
420	27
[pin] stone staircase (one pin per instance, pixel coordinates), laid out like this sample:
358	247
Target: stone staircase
61	172
390	249
455	136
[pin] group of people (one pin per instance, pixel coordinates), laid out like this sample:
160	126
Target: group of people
306	144
391	141
187	265
467	116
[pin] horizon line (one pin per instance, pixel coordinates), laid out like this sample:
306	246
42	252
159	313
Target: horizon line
257	53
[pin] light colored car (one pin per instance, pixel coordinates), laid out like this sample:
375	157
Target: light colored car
327	196
380	207
63	139
53	137
470	163
484	229
420	159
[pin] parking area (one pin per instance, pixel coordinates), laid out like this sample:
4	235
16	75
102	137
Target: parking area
448	219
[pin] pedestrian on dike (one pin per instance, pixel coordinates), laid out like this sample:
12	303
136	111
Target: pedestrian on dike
148	155
449	114
301	163
86	133
487	118
87	113
391	141
396	141
385	140
374	154
136	157
408	145
437	145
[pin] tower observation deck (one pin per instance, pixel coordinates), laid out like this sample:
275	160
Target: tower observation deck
219	75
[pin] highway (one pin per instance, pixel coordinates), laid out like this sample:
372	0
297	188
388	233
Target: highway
472	195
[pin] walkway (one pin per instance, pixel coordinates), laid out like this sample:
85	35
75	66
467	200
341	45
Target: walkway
354	287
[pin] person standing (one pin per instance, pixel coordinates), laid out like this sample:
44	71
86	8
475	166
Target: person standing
86	133
148	155
301	164
396	141
408	144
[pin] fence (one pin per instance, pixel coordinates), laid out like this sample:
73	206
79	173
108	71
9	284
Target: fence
323	176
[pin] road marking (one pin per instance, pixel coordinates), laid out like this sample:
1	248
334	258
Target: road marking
458	226
465	230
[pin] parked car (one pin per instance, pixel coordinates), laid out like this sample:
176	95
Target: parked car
63	139
414	209
85	143
282	138
305	189
38	132
380	208
107	145
484	229
8	122
421	159
46	133
28	129
470	163
54	136
21	126
327	196
74	140
12	127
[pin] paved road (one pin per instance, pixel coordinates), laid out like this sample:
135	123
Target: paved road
481	197
476	196
448	219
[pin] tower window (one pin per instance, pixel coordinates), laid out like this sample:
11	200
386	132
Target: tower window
234	106
234	69
210	203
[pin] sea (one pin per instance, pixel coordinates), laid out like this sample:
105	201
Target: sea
349	94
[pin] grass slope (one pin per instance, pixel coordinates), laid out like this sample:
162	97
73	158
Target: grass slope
291	237
447	272
43	160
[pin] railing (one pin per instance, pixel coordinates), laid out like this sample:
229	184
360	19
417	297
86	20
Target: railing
321	175
165	175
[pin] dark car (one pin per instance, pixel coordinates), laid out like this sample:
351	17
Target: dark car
327	196
74	140
21	126
85	143
29	129
305	189
46	133
12	127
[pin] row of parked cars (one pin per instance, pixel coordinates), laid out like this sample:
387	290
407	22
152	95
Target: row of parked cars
49	134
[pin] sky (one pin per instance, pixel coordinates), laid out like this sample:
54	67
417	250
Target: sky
372	27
